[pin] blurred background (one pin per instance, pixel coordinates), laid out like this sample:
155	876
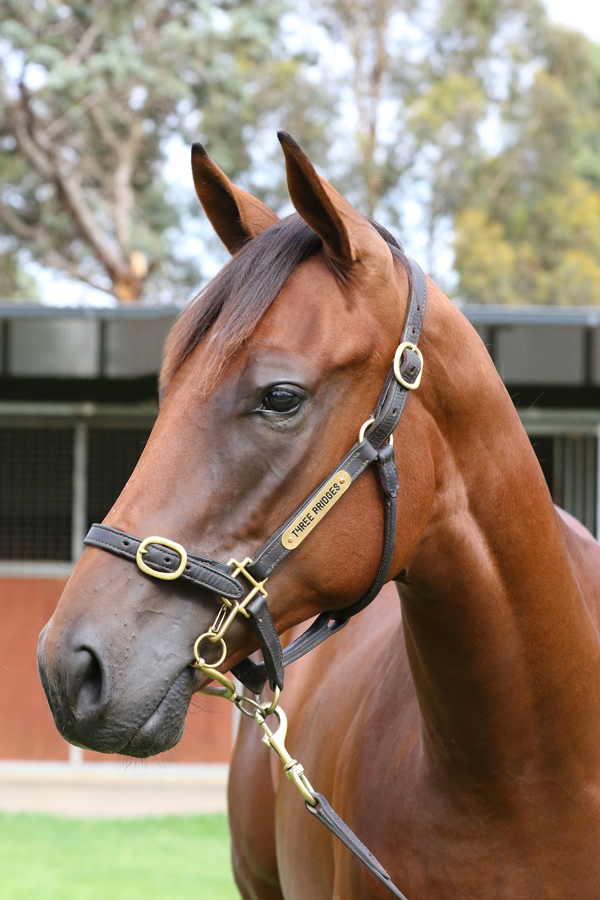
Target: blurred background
469	128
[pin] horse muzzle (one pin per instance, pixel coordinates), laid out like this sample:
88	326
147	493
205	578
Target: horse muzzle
99	704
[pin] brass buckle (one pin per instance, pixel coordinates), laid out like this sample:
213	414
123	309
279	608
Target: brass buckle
224	618
363	428
407	345
164	542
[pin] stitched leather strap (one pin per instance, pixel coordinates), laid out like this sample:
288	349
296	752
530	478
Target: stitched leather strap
205	573
322	628
272	551
325	814
388	476
270	645
254	675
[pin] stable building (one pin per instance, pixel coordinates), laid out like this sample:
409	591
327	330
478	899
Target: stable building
77	403
78	399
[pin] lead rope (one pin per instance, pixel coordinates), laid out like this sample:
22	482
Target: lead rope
315	803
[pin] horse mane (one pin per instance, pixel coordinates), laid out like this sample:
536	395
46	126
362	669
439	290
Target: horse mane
231	305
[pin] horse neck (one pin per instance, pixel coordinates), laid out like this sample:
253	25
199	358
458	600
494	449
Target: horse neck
501	644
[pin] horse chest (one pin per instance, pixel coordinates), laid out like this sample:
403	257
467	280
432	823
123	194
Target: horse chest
436	848
436	842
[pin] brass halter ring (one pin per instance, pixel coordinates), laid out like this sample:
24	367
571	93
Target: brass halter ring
363	428
200	661
224	618
407	345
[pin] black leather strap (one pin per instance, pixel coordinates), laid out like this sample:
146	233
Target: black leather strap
272	551
254	675
205	573
322	628
388	475
325	814
270	645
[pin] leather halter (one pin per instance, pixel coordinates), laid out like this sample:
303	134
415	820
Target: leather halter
155	556
166	560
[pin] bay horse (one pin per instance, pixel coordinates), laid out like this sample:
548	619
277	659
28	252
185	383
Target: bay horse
456	731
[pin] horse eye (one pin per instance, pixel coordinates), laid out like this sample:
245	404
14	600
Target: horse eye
280	400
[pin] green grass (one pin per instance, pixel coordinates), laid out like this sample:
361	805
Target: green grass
175	858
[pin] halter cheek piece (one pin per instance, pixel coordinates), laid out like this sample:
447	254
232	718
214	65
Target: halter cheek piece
167	560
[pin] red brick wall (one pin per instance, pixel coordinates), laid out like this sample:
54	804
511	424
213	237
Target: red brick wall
26	727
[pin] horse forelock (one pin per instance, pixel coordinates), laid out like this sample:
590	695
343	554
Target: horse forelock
230	306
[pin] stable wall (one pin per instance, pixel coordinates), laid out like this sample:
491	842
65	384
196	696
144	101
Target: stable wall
27	731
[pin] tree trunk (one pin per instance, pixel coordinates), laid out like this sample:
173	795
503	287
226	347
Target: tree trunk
128	290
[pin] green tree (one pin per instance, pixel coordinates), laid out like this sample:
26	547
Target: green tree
92	92
374	90
538	198
487	116
422	80
16	284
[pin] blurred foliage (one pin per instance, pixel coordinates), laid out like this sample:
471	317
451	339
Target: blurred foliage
16	284
487	116
535	204
478	113
93	91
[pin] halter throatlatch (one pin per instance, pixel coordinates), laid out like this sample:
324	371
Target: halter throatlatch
164	559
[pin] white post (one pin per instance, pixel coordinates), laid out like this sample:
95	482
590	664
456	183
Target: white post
75	755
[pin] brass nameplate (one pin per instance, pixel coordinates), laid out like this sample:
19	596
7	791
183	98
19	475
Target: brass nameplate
312	514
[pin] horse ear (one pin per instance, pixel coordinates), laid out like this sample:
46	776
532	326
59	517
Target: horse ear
235	215
346	234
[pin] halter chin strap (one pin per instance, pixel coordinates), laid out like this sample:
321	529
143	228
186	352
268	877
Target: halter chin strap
164	559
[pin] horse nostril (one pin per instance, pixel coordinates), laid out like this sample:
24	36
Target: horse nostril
85	683
92	684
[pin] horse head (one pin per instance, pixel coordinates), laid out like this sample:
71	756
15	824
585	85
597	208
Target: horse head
268	376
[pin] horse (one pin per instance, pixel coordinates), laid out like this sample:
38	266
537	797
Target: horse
454	723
